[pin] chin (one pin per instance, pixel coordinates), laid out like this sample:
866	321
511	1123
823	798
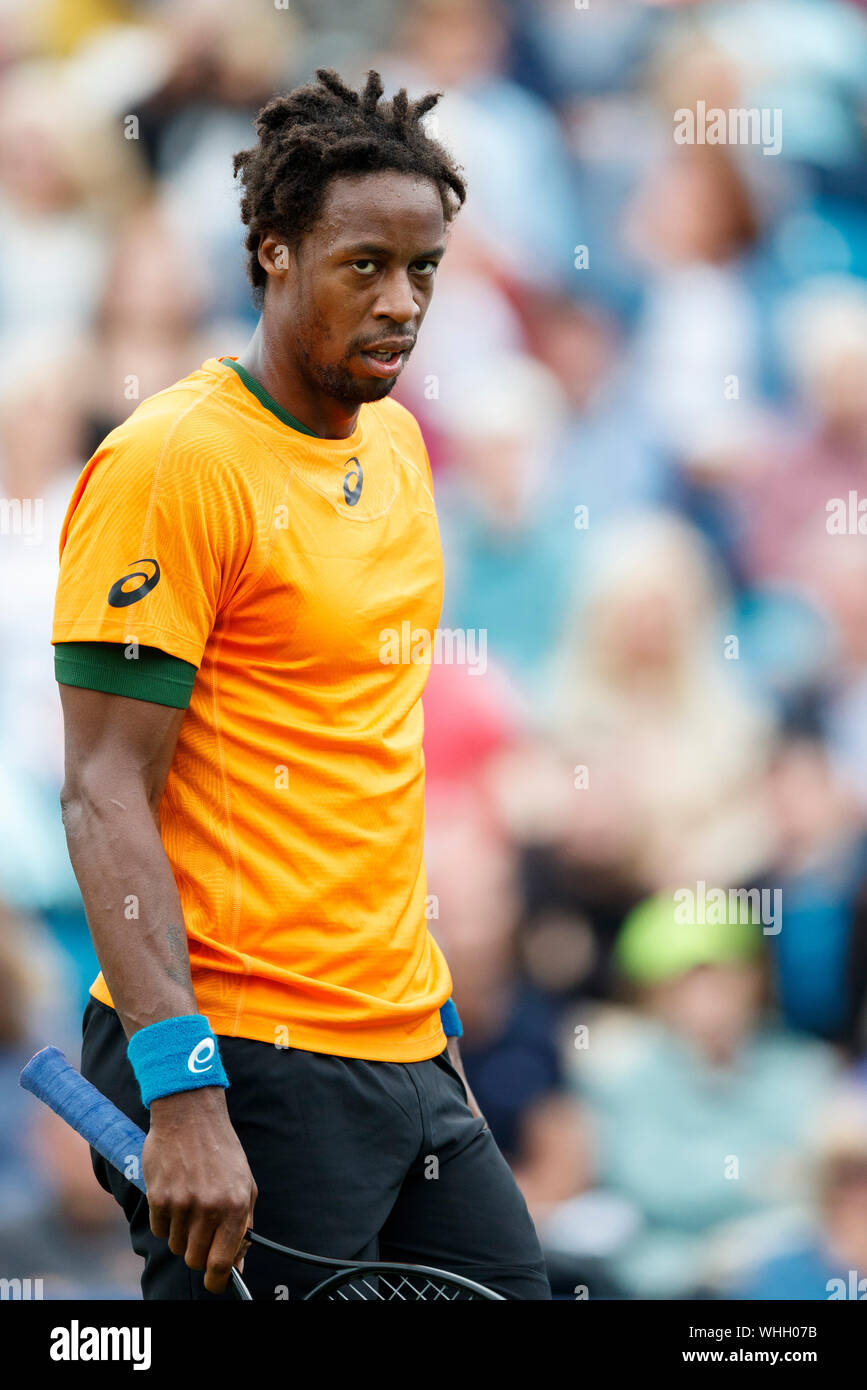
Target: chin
363	392
352	391
377	389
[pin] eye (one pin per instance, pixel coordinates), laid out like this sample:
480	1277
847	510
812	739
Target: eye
424	267
364	267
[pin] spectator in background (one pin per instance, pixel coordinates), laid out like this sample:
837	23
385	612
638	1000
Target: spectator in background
808	57
833	574
830	1260
702	1110
146	325
509	1045
820	866
224	61
64	177
41	441
695	346
511	146
644	701
21	1192
506	522
608	459
820	452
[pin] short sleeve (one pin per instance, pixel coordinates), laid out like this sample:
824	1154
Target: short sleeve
154	540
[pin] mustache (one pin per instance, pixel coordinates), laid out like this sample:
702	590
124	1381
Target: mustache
407	344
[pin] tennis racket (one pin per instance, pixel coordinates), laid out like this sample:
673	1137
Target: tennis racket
50	1078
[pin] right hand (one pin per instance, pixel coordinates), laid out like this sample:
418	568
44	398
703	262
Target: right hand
199	1185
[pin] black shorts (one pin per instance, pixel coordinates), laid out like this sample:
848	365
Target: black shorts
352	1159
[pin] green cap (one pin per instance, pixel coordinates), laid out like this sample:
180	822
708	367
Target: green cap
668	935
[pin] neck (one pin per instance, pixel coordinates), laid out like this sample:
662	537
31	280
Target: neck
272	364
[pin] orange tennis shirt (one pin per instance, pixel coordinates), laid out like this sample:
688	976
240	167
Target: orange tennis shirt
290	571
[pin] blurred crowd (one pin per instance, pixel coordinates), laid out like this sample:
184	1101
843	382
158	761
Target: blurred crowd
642	384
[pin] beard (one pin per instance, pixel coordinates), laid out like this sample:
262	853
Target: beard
337	381
348	390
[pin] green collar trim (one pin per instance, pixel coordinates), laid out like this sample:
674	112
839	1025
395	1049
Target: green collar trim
258	390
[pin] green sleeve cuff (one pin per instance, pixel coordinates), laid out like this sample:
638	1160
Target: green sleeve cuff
153	675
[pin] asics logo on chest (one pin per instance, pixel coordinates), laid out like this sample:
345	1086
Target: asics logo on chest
353	483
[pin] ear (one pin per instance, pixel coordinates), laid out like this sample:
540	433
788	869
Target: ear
275	255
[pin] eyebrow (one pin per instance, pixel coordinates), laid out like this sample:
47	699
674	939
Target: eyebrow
371	248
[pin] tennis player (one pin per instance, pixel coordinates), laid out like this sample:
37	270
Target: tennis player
244	787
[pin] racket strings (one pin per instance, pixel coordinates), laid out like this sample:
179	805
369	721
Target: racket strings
368	1288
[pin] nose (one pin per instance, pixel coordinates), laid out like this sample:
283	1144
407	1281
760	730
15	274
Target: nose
396	299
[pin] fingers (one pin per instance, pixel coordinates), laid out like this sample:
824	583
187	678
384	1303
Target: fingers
171	1221
245	1244
225	1250
179	1230
249	1226
200	1240
160	1217
211	1238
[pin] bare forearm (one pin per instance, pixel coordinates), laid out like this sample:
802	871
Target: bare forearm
132	904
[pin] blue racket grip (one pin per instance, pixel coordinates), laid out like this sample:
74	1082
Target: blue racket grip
50	1078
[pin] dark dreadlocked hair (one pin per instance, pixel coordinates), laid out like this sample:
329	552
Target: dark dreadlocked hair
323	129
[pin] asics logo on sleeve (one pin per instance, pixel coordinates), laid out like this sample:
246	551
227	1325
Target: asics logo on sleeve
201	1057
353	492
119	597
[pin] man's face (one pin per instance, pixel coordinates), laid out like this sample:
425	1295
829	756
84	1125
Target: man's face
359	283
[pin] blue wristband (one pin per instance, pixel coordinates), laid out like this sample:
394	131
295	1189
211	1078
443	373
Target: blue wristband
450	1020
178	1054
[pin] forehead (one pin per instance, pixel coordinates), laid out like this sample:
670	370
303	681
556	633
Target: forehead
390	208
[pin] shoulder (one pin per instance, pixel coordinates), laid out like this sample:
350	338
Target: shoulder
191	418
176	460
182	440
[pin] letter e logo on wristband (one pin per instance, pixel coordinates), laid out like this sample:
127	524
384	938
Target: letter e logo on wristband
202	1056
